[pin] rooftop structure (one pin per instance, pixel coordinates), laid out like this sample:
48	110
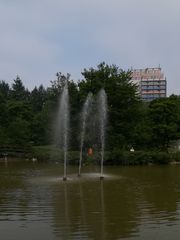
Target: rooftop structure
151	83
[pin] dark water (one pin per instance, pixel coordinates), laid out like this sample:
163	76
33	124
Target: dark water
130	203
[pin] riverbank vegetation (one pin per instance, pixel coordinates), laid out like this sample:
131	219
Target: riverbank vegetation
151	129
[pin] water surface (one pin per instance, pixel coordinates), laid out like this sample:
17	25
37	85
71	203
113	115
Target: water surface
130	203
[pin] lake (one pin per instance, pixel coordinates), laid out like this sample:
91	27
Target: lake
141	202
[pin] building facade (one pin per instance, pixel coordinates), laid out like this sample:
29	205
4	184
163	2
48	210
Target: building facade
151	83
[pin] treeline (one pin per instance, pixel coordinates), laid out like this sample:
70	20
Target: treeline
27	117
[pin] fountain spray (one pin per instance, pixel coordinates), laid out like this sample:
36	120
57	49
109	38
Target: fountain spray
84	117
102	99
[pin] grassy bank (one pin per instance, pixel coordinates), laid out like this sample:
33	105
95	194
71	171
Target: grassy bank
16	151
119	157
50	153
115	157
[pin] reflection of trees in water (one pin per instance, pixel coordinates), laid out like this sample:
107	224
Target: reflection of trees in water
160	191
18	198
95	210
68	211
114	209
89	208
14	196
121	210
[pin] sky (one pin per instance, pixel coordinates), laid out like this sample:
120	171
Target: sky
39	38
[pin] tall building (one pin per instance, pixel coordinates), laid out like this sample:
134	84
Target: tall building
151	83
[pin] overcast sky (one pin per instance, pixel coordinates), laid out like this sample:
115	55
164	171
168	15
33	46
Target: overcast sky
41	37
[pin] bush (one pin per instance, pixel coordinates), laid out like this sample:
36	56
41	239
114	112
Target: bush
176	156
161	157
121	157
46	153
51	153
114	157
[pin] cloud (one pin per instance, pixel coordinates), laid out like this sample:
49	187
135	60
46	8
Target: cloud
39	38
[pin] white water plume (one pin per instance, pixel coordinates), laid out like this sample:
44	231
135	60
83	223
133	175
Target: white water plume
102	110
84	116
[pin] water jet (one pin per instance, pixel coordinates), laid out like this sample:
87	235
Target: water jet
84	117
62	125
102	105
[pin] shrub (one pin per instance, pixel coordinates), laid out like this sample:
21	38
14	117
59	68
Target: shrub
121	157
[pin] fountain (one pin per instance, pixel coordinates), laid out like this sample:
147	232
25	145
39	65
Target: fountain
84	116
102	109
62	127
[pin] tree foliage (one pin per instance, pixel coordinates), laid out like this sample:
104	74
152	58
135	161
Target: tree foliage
27	117
164	115
123	104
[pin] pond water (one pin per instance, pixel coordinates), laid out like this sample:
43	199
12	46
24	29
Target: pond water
130	203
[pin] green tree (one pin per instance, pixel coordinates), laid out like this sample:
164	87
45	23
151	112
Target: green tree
18	132
4	90
164	117
18	91
4	96
123	102
142	134
38	98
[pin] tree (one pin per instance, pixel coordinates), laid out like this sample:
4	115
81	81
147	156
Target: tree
142	134
18	91
4	96
38	97
123	102
164	117
19	132
4	90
